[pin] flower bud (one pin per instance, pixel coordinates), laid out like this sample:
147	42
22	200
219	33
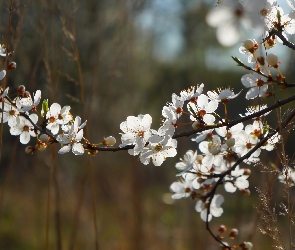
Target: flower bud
267	94
247	171
26	94
109	141
43	138
245	192
44	107
11	66
222	228
30	150
230	142
272	60
250	45
246	245
21	90
233	233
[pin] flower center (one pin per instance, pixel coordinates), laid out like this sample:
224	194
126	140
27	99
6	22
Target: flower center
248	145
202	112
52	119
140	134
179	110
264	12
26	128
213	148
159	147
260	82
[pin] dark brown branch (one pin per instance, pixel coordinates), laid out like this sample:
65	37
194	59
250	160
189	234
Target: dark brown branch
192	132
279	33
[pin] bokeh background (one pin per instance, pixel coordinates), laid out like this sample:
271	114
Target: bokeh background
109	59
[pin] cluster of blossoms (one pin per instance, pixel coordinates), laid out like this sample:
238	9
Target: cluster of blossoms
21	115
222	145
233	17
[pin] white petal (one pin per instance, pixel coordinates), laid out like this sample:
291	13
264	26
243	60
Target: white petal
199	206
2	74
34	118
176	187
242	183
24	137
78	149
79	135
158	159
54	109
229	187
37	97
204	215
216	211
65	149
228	34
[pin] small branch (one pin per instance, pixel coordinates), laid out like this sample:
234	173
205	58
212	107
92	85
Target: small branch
279	33
192	132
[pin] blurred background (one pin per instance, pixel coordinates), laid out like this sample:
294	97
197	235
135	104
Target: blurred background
109	59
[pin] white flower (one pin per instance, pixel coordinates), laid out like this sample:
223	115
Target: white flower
258	85
181	189
9	113
200	175
254	109
245	143
187	163
224	95
190	94
255	129
136	131
27	104
170	122
250	48
176	106
206	134
237	180
203	109
261	12
271	16
271	142
57	116
71	139
213	151
215	209
158	148
230	132
228	17
24	128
